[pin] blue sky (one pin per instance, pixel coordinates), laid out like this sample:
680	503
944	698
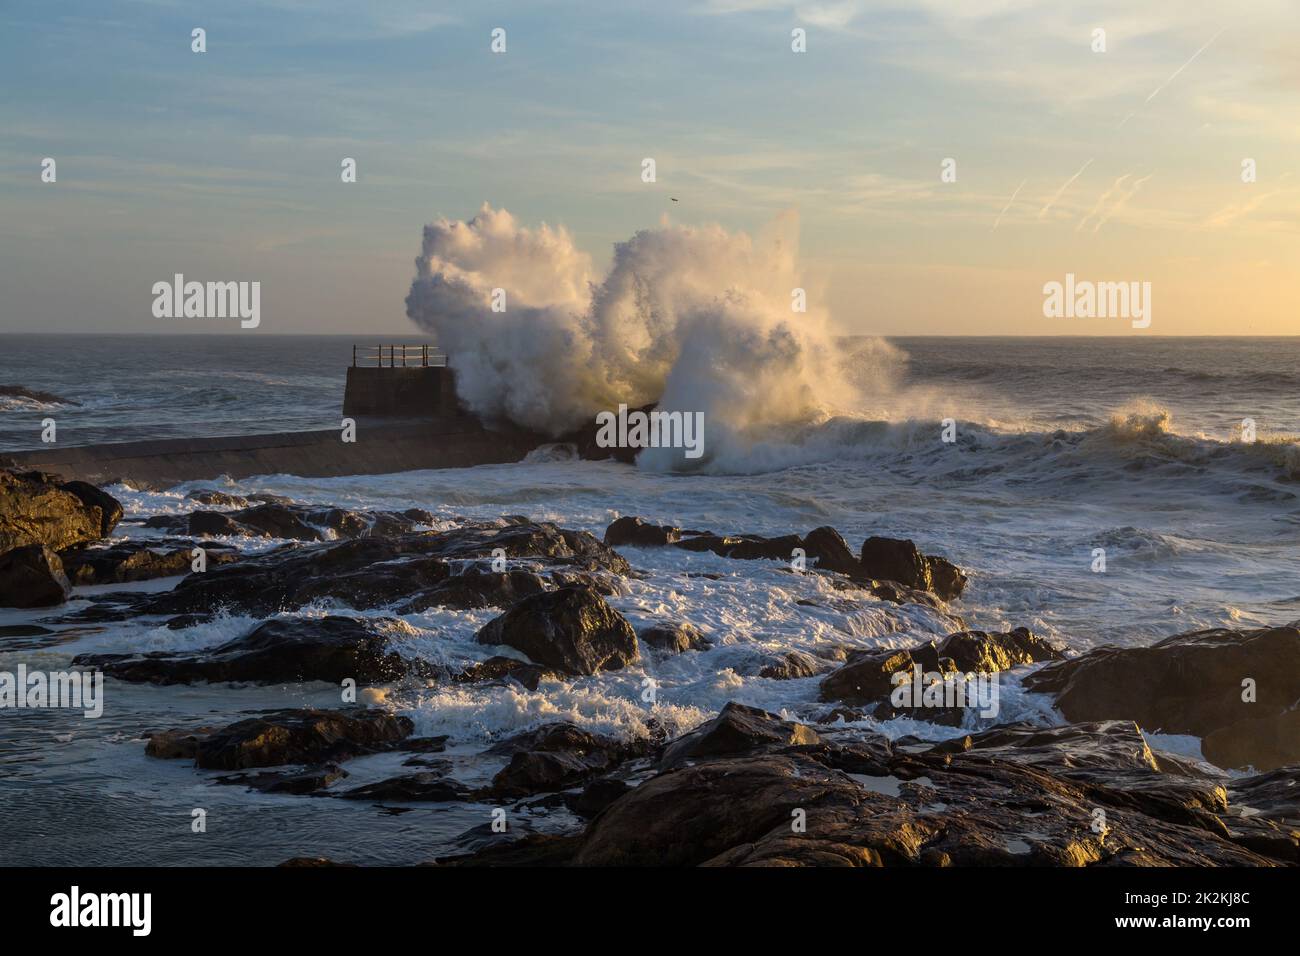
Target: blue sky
225	165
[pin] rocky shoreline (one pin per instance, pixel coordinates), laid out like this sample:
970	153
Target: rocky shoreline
746	787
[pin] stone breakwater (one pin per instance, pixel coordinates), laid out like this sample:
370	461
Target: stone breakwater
746	787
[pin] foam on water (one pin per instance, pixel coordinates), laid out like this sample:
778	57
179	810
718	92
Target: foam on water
1199	530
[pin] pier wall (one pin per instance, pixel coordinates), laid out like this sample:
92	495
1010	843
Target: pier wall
454	441
407	392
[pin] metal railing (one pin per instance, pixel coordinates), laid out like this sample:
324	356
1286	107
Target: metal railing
399	356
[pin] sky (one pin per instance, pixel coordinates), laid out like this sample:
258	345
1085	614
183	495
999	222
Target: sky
1122	165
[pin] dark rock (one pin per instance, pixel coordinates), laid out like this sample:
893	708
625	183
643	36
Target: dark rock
32	576
277	518
897	559
673	637
828	548
276	738
556	757
412	788
38	508
984	652
514	848
736	730
176	744
1264	743
373	572
506	668
1192	684
543	772
278	521
571	629
749	547
129	561
35	395
791	666
109	508
219	499
298	783
596	796
634	531
330	649
868	677
477	589
1018	797
946	579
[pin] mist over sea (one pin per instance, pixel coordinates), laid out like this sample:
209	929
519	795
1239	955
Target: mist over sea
1064	446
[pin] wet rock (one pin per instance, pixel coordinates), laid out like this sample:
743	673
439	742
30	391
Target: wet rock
831	552
898	559
298	783
373	572
217	499
1265	743
412	788
1024	797
571	629
868	677
506	668
32	576
634	531
95	499
475	588
749	547
737	729
673	637
34	395
891	566
331	649
596	796
735	803
129	561
1266	815
543	772
791	666
984	652
277	519
1192	684
556	757
176	744
515	847
38	508
309	736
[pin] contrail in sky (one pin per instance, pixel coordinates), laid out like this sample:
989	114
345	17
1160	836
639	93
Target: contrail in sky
1172	75
1009	202
1052	202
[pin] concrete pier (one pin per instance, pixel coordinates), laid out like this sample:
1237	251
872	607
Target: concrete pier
381	446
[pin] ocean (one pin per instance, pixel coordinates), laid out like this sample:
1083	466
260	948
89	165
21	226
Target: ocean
1063	448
